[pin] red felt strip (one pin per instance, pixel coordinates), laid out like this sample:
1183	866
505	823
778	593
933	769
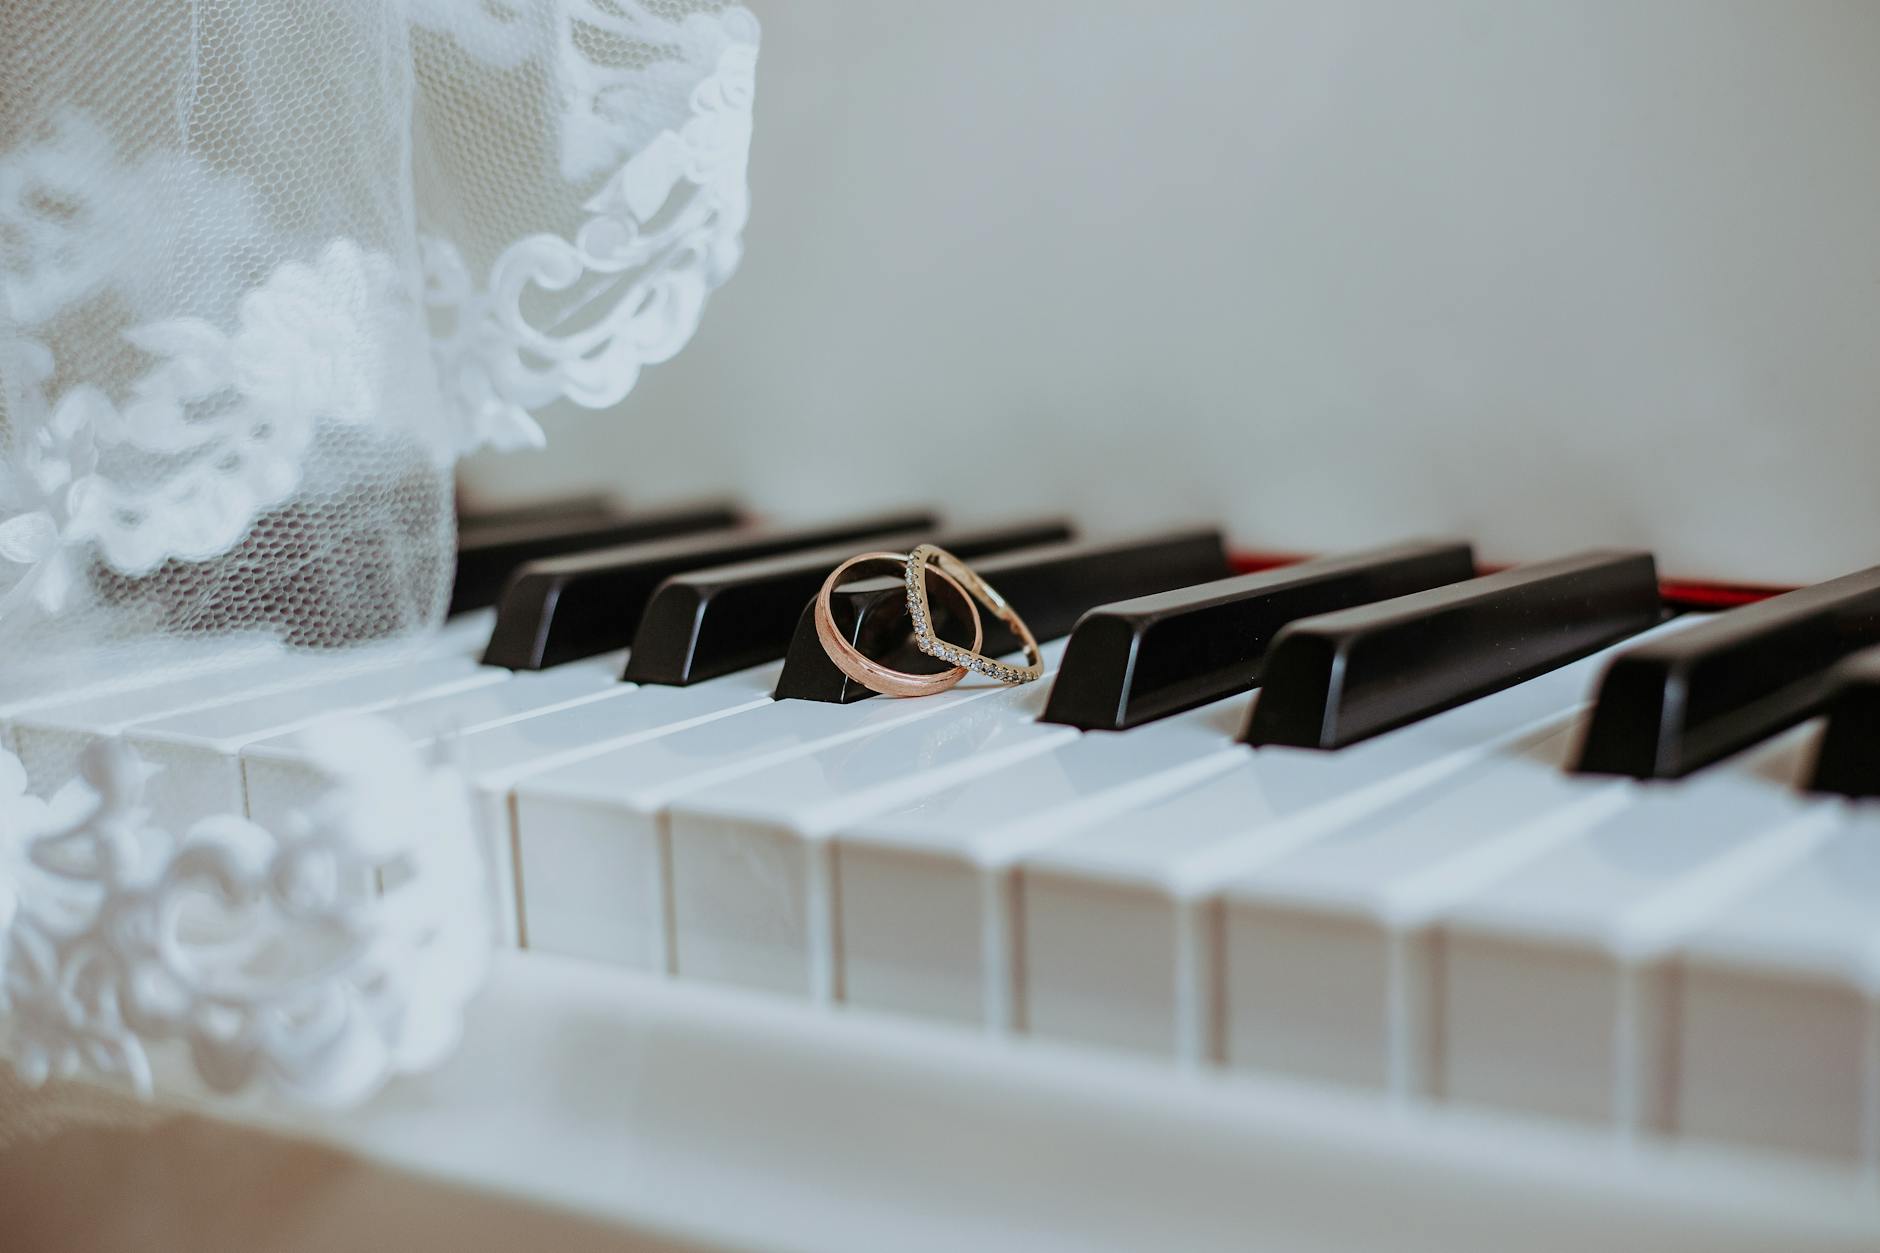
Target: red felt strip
1677	593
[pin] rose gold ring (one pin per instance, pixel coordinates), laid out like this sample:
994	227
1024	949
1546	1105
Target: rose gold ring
865	670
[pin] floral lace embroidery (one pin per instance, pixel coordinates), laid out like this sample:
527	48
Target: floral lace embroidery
42	492
231	415
269	956
231	379
664	231
495	32
215	433
80	224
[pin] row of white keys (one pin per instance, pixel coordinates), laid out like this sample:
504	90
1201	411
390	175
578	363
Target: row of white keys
197	755
752	897
1371	1006
1117	940
172	664
1774	1006
593	837
879	871
279	774
50	734
496	757
1548	987
1329	931
924	887
1314	963
236	732
497	761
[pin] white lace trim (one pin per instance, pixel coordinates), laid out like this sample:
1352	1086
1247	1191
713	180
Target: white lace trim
252	305
216	430
663	232
213	434
269	957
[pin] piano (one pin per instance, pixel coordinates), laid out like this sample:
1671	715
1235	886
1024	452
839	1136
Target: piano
1528	893
1447	820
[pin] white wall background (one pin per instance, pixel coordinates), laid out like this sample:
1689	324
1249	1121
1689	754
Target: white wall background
1545	274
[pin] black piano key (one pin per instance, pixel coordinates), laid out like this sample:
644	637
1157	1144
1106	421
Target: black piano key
1848	759
561	609
1672	705
710	622
1049	587
1138	660
490	550
1342	677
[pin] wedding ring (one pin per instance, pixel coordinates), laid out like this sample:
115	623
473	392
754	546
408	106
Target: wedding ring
865	670
953	570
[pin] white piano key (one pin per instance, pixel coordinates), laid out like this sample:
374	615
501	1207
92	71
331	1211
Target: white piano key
752	890
1775	1002
495	756
50	738
49	730
198	753
594	839
1551	989
498	760
465	635
925	889
1119	942
1323	951
176	665
279	778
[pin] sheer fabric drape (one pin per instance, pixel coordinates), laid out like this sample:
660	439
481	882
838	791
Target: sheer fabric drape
267	268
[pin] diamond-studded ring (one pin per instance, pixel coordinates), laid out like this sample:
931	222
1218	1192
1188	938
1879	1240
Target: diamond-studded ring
974	590
864	669
959	574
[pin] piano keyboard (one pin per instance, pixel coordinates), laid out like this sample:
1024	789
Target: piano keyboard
1445	877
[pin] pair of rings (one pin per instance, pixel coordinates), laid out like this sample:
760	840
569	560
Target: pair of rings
975	591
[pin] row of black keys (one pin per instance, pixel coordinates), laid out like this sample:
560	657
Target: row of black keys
1346	647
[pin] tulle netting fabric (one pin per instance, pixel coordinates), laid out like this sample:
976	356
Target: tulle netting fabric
270	266
267	269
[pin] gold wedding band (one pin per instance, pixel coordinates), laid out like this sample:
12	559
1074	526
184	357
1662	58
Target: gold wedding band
864	669
975	591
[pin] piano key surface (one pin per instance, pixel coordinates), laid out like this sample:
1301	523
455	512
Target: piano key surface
497	759
279	776
491	548
199	752
1318	978
924	885
1132	661
753	895
1674	705
499	733
1117	926
1438	915
50	734
588	829
1847	757
178	664
560	609
1775	1027
570	1070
